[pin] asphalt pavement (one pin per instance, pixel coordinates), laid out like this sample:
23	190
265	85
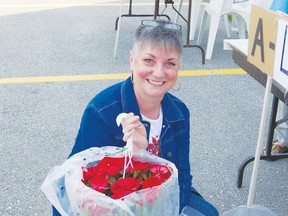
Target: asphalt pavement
39	120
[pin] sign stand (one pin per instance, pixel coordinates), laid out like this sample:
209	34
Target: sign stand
258	151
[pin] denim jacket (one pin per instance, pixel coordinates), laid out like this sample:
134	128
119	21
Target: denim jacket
98	128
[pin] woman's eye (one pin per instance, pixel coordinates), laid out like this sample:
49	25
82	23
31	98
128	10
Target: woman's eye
148	60
171	63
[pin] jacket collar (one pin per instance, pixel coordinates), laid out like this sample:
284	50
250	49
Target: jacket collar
128	97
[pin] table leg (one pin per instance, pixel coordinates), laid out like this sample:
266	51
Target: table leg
156	10
271	127
187	45
188	21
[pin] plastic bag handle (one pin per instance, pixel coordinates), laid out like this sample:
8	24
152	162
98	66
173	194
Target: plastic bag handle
128	154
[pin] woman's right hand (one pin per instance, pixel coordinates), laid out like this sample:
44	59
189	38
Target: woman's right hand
131	125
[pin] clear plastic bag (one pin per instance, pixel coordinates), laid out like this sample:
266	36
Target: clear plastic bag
188	211
254	210
65	190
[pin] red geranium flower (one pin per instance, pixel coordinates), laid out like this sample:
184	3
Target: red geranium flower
141	166
163	171
98	183
107	176
125	186
110	166
151	182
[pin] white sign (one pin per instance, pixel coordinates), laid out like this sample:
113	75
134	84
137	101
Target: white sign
281	57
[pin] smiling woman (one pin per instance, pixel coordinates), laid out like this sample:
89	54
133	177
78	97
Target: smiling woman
154	63
158	121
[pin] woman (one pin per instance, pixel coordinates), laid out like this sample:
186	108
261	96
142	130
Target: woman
158	120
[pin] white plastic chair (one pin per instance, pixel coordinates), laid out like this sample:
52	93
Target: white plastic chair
216	9
197	6
245	6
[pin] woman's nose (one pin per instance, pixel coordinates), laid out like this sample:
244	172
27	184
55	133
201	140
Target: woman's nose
158	70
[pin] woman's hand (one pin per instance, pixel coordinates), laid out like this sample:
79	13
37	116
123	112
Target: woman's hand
132	126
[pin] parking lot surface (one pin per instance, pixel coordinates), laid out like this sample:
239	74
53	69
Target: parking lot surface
56	55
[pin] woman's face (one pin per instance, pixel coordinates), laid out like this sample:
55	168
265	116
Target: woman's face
155	70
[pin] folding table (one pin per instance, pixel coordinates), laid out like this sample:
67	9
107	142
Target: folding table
157	14
240	58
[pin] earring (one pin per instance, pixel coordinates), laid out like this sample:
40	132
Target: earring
131	71
177	85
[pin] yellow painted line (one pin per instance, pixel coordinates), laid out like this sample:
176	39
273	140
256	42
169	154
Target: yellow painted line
62	78
212	72
74	78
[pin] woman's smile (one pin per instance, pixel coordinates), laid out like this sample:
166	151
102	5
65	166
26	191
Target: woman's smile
156	83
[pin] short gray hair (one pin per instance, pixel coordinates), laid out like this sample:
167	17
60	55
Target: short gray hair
158	34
